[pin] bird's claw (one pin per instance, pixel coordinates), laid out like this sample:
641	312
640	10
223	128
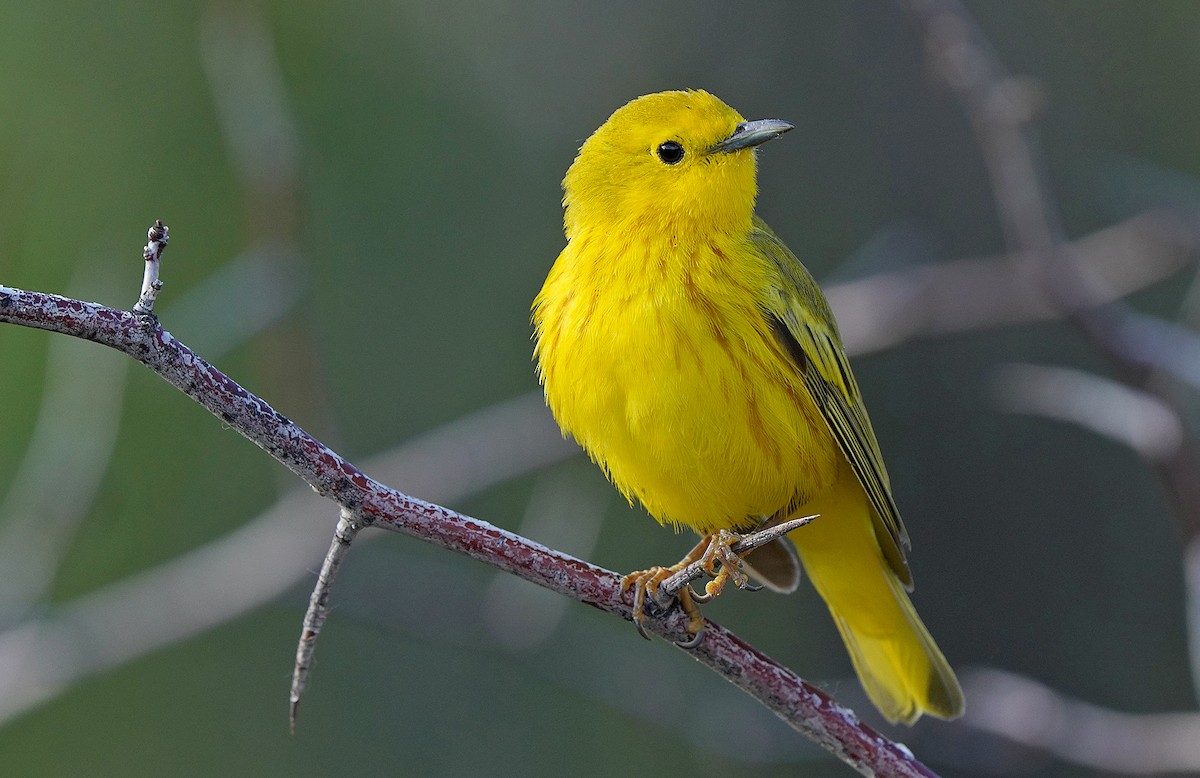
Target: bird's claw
697	597
643	583
712	551
693	641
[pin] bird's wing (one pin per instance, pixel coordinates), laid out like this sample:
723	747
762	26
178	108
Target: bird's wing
804	324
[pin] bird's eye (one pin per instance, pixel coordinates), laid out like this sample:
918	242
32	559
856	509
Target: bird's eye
669	152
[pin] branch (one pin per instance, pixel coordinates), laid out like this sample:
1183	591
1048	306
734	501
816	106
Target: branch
803	706
255	563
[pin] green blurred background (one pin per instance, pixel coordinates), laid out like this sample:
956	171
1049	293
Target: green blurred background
363	198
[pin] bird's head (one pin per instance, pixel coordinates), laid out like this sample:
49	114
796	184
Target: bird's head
676	161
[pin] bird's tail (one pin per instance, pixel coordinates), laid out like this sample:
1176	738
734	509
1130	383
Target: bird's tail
901	668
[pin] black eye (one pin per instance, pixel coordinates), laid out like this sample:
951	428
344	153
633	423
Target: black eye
669	152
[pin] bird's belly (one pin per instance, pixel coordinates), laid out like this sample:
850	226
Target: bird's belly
707	426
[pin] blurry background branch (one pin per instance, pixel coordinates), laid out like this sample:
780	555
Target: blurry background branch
1033	715
1002	110
1124	414
887	310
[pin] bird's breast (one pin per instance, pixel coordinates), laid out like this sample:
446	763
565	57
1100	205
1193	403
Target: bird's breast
663	367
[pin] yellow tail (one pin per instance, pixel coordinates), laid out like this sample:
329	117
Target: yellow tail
897	661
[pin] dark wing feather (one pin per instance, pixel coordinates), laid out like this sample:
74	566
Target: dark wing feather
804	325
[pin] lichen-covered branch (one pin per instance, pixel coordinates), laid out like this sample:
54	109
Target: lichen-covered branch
803	706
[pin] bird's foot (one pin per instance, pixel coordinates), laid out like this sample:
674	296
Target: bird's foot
645	585
711	552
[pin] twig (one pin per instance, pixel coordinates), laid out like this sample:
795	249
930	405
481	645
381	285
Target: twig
151	286
671	586
318	608
803	706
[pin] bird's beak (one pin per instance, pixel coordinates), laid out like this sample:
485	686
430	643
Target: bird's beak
748	134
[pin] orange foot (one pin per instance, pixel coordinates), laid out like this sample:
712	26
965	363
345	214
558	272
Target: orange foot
711	551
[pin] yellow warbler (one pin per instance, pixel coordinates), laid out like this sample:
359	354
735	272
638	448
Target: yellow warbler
696	360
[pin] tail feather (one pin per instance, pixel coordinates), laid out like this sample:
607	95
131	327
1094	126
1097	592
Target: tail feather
901	668
903	672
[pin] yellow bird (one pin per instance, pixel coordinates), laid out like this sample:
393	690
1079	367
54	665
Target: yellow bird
696	360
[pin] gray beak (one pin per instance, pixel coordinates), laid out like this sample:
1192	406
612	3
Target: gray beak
749	134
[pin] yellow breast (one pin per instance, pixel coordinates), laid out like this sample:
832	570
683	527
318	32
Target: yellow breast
657	358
